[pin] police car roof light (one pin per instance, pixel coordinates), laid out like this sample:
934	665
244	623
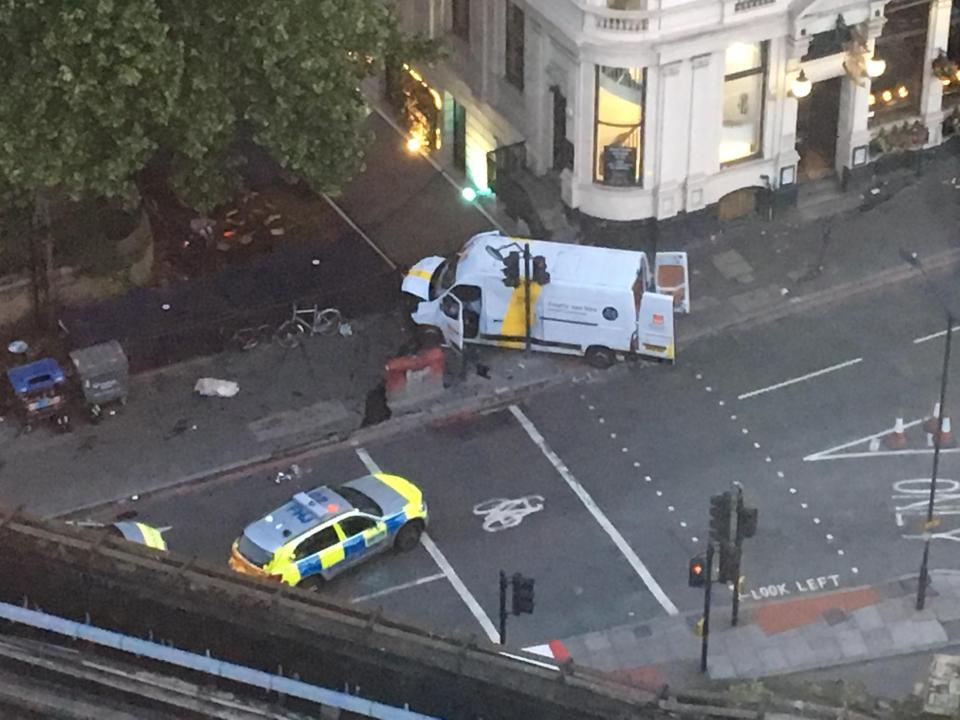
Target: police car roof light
305	501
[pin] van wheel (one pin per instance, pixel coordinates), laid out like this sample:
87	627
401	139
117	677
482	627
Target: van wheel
600	357
429	337
408	537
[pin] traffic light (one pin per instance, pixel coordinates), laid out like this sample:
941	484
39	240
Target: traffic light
729	566
522	594
540	274
697	571
511	269
720	506
747	521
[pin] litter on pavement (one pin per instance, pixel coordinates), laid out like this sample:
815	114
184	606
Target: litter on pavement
212	387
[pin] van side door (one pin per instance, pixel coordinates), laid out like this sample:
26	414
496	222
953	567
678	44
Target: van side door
672	277
451	320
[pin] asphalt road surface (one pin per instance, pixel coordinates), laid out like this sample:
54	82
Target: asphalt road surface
600	491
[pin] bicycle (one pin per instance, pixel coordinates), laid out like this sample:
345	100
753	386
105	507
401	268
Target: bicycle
308	321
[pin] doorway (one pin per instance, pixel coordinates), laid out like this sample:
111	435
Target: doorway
817	117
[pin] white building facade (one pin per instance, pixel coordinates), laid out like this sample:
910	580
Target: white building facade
649	108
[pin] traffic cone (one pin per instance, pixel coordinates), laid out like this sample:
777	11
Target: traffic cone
946	437
897	439
930	424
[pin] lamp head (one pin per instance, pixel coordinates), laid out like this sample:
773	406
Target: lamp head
801	85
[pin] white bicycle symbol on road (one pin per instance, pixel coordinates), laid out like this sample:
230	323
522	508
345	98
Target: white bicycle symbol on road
502	513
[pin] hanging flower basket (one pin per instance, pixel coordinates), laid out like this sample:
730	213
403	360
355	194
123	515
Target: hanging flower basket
944	68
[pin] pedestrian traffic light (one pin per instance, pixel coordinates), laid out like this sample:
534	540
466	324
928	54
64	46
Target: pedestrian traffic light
720	506
729	563
747	521
540	274
511	269
697	571
522	594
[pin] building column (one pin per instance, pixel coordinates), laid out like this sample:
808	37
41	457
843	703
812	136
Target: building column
703	127
852	131
787	155
584	99
931	100
673	109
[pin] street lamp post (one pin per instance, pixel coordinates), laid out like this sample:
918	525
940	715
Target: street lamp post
914	261
928	527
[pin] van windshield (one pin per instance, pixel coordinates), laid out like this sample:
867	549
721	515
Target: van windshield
443	277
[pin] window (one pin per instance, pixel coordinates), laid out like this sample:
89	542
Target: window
513	60
895	95
317	543
356	525
461	19
618	144
743	96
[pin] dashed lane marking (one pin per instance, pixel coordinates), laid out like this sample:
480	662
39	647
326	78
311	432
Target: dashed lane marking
652	585
445	567
802	378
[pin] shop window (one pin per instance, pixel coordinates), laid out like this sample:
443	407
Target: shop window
513	60
903	43
618	145
951	89
461	19
744	83
627	4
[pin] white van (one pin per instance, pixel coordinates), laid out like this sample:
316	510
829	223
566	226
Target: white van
590	301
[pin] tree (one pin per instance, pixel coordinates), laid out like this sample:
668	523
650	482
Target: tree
97	90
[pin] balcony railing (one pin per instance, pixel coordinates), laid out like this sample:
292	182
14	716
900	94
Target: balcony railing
656	18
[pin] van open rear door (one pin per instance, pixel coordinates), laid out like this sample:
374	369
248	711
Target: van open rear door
451	320
655	326
672	277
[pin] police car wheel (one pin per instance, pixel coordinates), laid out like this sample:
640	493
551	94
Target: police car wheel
314	583
408	536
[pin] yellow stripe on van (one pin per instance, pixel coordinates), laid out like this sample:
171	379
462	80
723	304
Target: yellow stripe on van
513	324
419	273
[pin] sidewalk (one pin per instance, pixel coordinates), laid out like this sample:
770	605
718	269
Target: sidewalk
822	630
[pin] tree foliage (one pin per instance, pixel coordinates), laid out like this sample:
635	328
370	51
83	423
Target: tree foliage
95	90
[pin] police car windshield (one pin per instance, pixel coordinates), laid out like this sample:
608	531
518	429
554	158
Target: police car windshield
443	277
253	552
360	501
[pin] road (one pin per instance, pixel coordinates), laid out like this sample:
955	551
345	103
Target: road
600	491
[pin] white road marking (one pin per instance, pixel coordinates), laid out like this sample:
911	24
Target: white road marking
652	585
802	378
401	586
530	661
445	567
942	333
830	451
502	513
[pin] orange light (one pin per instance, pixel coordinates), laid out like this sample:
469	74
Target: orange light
229	233
871	99
332	507
414	144
957	76
697	569
887	96
902	91
945	82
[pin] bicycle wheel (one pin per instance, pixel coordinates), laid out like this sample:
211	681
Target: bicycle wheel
265	334
288	334
327	322
245	339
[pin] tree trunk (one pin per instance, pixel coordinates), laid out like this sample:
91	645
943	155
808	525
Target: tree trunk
41	255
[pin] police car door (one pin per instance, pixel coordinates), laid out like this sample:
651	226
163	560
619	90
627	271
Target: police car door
363	535
322	553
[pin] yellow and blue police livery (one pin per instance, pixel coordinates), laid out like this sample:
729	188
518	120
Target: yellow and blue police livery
318	534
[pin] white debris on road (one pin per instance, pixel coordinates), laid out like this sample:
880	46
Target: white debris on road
212	387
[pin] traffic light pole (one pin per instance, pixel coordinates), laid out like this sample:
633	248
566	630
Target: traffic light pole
503	608
738	549
706	608
526	295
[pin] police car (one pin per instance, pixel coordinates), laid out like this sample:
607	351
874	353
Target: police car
319	534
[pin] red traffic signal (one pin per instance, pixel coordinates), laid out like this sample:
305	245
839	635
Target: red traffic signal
697	571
